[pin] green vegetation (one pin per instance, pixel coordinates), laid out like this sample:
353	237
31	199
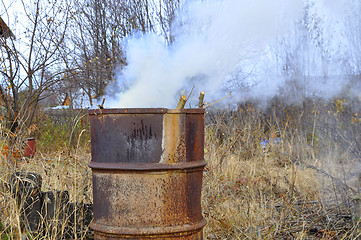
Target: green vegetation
62	130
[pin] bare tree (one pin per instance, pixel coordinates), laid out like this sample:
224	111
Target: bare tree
166	16
30	63
353	34
303	57
99	34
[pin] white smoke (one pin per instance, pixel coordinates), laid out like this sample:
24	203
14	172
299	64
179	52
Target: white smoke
212	40
335	9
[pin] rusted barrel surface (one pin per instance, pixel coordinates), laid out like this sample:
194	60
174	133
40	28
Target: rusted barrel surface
147	169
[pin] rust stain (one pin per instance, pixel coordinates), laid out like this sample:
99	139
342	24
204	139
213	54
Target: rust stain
173	143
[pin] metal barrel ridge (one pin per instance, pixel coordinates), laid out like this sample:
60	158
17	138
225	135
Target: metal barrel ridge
147	166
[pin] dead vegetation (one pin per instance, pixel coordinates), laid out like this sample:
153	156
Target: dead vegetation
276	173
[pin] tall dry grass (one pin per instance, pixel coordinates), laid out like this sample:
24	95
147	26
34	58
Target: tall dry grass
63	153
299	185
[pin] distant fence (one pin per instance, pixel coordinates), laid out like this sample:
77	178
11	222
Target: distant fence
64	116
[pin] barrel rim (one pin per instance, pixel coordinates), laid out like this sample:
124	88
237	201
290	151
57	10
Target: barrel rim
147	166
118	230
145	111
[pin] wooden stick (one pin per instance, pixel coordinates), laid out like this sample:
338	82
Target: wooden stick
218	100
182	102
201	99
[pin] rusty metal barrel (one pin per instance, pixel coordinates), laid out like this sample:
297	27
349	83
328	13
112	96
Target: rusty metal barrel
147	166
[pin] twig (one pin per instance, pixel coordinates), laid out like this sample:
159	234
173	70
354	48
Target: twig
332	177
190	94
218	100
318	220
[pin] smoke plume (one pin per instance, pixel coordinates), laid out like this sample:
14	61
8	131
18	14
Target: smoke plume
215	42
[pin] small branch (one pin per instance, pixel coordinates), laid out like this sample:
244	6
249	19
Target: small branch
190	94
218	100
354	190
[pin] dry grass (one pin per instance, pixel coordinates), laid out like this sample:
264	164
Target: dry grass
277	191
59	172
244	182
284	190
